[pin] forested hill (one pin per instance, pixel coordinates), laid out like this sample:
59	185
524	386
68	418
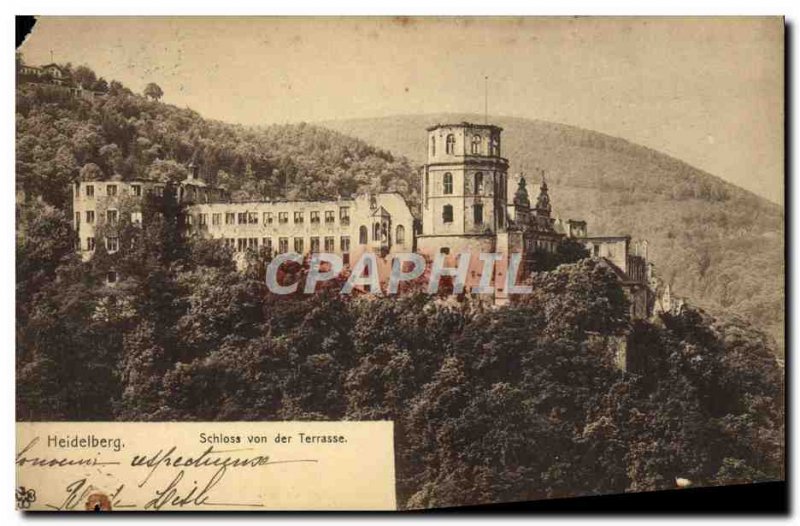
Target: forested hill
61	137
717	244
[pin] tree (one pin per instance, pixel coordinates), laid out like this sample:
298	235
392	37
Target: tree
84	77
153	91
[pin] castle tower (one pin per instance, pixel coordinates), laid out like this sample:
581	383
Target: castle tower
463	189
543	207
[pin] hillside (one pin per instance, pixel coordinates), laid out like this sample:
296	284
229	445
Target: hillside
717	244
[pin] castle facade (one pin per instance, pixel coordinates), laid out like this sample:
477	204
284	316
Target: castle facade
467	206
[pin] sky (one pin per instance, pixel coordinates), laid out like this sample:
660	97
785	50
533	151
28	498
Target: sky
707	91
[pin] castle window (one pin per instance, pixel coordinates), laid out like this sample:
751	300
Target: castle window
314	245
477	214
188	219
447	183
242	218
447	214
90	216
450	144
90	244
362	235
267	244
230	218
298	219
444	250
112	244
376	232
496	146
252	243
344	243
329	217
111	217
111	190
283	245
77	219
159	191
344	215
216	219
267	218
400	235
283	217
298	245
241	244
252	218
314	220
479	183
475	147
137	190
89	190
202	219
330	245
136	218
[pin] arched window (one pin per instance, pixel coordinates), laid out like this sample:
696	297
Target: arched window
363	234
447	214
376	232
476	144
400	236
433	145
447	183
450	144
479	183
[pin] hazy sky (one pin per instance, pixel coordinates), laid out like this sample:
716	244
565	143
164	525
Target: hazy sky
708	91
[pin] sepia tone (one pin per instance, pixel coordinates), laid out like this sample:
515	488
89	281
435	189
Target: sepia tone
642	351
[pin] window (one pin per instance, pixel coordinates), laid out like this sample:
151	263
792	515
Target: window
444	250
89	190
202	220
450	144
496	146
400	236
189	219
267	218
111	190
447	183
111	217
159	191
111	277
433	145
242	218
298	245
252	218
329	217
216	219
344	215
136	218
267	244
90	244
479	183
283	217
344	244
283	245
241	244
376	232
330	245
137	190
112	244
90	216
477	214
314	245
475	147
230	243
298	218
500	218
362	235
252	243
230	218
314	218
77	219
447	214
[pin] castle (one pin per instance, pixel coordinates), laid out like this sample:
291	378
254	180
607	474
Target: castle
466	206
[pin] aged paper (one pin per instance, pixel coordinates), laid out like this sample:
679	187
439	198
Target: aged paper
171	466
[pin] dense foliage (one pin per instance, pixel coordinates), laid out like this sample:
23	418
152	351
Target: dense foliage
520	402
61	137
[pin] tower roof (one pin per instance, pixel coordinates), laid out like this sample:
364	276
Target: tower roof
465	124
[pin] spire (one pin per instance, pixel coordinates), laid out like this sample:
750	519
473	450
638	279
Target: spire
543	206
521	196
